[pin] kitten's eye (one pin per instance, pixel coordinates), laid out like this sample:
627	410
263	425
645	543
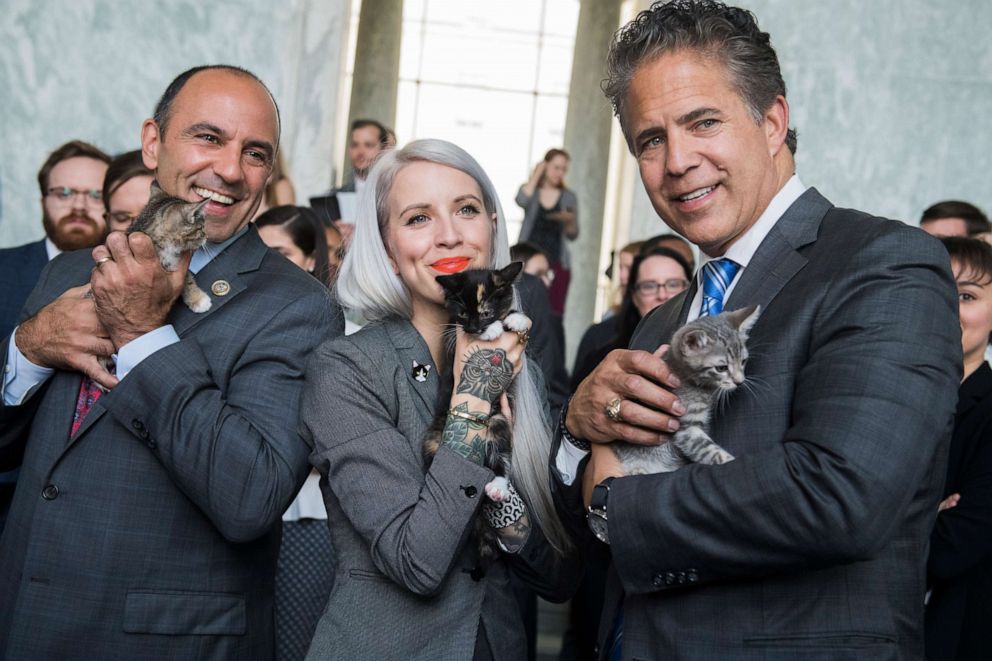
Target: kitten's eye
720	368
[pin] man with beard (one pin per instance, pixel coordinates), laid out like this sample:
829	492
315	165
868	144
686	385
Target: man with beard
71	181
72	212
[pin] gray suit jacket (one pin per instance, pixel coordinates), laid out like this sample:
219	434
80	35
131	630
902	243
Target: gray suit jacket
405	587
812	543
153	532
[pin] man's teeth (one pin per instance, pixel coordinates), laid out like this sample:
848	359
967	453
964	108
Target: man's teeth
212	195
696	194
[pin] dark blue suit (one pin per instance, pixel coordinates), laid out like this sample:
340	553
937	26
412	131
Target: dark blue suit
20	268
19	271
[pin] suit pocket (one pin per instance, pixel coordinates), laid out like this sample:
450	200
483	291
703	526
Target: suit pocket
190	613
837	639
366	575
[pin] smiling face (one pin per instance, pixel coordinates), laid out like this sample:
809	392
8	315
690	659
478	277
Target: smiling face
219	144
667	277
437	225
709	169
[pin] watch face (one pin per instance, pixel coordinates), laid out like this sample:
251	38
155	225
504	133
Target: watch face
597	524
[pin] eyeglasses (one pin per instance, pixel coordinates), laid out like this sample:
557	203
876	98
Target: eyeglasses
650	287
120	218
92	197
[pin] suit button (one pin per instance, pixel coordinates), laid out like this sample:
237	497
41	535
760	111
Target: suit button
470	491
138	425
669	578
657	580
152	443
51	492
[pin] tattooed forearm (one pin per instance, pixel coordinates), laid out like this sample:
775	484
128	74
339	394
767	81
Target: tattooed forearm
486	374
515	535
465	436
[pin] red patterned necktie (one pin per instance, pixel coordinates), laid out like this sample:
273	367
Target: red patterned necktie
89	392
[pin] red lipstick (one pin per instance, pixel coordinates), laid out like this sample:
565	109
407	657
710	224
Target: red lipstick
451	264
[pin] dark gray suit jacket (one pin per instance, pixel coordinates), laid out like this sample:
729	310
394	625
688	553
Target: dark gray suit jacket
812	543
405	588
153	532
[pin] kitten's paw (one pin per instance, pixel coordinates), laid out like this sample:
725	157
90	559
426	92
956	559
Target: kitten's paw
722	457
492	331
197	301
517	322
498	490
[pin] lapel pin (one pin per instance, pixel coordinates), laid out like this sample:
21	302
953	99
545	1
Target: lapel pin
220	288
420	372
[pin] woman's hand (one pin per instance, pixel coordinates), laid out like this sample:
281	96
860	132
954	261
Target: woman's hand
949	502
484	370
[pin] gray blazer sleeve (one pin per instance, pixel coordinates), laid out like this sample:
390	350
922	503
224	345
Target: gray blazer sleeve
867	418
236	452
414	523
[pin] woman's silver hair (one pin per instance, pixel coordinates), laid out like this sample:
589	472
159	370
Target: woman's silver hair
728	34
368	285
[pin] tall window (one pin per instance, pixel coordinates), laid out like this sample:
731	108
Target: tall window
492	77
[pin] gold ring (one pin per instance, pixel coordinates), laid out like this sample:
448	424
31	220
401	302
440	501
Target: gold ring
613	410
523	337
102	261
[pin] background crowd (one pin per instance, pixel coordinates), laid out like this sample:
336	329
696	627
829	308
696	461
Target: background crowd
85	194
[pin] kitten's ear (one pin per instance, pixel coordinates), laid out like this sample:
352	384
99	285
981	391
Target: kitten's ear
451	283
745	319
156	190
507	274
694	341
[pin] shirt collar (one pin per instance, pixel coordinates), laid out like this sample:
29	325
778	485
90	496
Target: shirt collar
206	253
743	248
50	248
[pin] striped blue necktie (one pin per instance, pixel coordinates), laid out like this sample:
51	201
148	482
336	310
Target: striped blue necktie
717	276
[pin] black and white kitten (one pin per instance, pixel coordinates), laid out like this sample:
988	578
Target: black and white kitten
175	226
480	301
708	355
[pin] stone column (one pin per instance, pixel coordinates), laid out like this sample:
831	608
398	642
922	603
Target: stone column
588	127
377	64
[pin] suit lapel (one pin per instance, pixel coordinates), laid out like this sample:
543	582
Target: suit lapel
778	259
243	256
410	347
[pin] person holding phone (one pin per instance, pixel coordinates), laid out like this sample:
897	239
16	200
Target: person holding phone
551	219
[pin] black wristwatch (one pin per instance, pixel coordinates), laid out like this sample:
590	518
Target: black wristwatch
597	510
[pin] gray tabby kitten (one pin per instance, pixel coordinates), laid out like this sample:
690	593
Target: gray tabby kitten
175	226
708	355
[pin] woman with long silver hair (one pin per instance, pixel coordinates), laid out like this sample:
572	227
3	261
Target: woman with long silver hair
409	584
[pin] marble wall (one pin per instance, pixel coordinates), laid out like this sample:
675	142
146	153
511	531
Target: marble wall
890	98
93	70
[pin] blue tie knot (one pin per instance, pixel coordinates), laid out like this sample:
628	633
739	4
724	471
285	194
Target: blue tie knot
717	276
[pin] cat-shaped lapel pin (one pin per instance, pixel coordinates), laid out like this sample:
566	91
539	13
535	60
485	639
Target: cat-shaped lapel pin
420	372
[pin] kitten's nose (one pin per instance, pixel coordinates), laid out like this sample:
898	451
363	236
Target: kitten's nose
738	376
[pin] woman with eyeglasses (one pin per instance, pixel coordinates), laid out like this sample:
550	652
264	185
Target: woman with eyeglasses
126	189
654	278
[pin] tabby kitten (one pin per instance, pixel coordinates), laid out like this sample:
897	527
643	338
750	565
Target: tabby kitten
175	226
481	302
708	355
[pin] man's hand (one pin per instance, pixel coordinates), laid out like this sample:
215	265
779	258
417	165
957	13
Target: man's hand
133	292
603	463
67	334
648	411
